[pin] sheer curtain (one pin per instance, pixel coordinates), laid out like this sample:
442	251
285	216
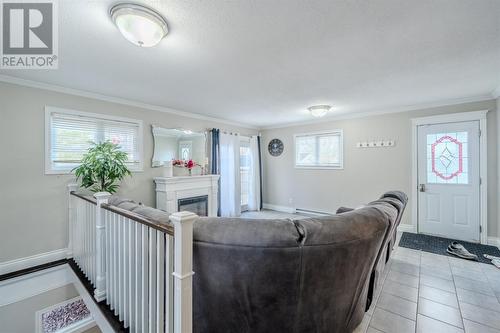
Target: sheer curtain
230	183
254	193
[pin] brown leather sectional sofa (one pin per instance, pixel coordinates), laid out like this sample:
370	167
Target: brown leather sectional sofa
311	275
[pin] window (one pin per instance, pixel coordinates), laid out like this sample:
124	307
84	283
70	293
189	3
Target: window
185	150
245	164
447	158
68	135
319	150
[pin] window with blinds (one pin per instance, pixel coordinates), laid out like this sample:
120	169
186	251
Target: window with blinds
69	134
319	150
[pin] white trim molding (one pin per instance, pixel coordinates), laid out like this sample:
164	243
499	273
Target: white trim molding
118	100
404	227
494	241
283	209
483	153
32	261
384	111
496	93
29	285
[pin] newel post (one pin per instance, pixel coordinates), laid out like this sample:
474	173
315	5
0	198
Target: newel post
183	271
71	217
100	234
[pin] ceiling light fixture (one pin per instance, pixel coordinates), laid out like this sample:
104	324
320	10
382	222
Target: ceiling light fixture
319	110
140	25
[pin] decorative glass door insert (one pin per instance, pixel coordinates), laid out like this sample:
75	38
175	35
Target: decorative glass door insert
447	158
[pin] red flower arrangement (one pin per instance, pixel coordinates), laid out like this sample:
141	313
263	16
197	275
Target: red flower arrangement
189	164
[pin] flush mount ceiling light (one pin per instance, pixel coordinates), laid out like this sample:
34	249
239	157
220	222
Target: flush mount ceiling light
319	110
138	24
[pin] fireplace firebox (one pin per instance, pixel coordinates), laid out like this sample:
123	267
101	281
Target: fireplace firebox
197	205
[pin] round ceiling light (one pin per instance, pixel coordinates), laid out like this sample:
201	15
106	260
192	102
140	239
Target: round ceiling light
140	25
319	110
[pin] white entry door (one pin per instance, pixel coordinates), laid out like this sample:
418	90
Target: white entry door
448	178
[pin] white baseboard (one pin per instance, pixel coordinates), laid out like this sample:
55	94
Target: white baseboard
278	208
35	260
495	241
406	228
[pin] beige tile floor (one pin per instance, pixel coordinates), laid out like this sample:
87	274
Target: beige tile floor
429	293
425	292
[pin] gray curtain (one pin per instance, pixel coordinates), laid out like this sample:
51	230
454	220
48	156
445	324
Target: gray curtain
215	160
260	169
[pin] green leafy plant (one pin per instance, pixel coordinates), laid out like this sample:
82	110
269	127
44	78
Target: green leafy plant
102	167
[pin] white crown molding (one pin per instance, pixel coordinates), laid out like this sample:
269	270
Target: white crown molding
496	93
82	93
32	261
118	100
364	114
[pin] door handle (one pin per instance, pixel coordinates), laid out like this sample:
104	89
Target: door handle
421	187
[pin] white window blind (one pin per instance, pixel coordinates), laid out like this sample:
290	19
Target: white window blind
319	150
71	133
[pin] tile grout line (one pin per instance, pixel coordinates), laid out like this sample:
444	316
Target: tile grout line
374	304
456	295
381	291
418	290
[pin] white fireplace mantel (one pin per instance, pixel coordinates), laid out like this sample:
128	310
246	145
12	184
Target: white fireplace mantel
170	190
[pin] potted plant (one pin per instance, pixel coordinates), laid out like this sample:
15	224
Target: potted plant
102	167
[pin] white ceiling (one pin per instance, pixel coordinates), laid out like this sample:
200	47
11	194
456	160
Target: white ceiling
262	62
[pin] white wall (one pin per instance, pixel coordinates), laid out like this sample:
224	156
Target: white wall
33	205
367	172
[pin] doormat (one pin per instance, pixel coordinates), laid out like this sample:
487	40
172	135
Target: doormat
438	245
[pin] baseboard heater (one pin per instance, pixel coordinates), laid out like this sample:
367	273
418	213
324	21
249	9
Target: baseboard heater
312	212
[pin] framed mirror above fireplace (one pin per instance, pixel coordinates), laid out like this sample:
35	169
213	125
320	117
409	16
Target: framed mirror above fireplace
179	144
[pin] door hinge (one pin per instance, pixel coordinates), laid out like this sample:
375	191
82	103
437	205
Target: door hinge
480	181
480	229
479	133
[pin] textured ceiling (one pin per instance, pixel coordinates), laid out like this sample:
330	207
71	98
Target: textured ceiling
262	62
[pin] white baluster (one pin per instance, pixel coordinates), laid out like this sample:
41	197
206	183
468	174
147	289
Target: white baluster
160	281
145	279
120	267
115	263
169	284
126	300
138	276
86	237
131	274
152	280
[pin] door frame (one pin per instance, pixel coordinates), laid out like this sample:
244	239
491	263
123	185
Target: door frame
483	163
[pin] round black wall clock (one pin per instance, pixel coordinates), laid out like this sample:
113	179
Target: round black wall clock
275	147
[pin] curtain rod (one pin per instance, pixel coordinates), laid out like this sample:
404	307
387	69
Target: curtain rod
233	133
